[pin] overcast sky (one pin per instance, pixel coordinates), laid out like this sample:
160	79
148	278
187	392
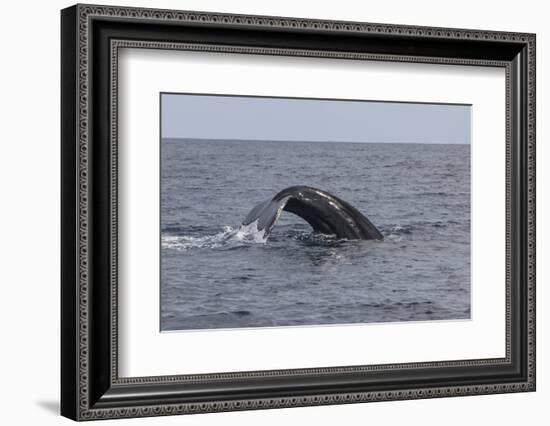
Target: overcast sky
257	118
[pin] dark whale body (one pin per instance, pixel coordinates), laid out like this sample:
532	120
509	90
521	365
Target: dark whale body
325	213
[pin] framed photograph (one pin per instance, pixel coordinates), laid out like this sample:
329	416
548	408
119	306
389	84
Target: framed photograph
263	212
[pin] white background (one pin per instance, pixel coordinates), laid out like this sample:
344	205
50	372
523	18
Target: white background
146	352
29	225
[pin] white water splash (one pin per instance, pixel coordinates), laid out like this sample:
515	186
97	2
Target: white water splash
229	237
251	233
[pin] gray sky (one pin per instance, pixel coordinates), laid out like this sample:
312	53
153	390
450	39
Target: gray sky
257	118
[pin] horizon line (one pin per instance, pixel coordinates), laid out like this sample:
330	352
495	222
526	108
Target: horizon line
311	141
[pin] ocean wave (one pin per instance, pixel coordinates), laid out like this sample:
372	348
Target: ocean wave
396	231
393	230
317	238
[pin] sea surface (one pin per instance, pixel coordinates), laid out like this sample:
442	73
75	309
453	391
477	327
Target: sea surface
216	275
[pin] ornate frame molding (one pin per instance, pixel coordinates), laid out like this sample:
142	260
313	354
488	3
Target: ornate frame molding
78	24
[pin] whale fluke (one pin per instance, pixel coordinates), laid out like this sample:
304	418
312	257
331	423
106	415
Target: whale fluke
325	213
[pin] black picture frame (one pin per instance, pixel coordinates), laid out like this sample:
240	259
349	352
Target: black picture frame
90	386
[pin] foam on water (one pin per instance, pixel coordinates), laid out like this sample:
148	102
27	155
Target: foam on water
229	237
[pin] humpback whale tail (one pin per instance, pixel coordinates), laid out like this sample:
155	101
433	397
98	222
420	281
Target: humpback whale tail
325	213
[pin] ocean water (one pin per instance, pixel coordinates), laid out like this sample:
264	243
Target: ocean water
216	275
